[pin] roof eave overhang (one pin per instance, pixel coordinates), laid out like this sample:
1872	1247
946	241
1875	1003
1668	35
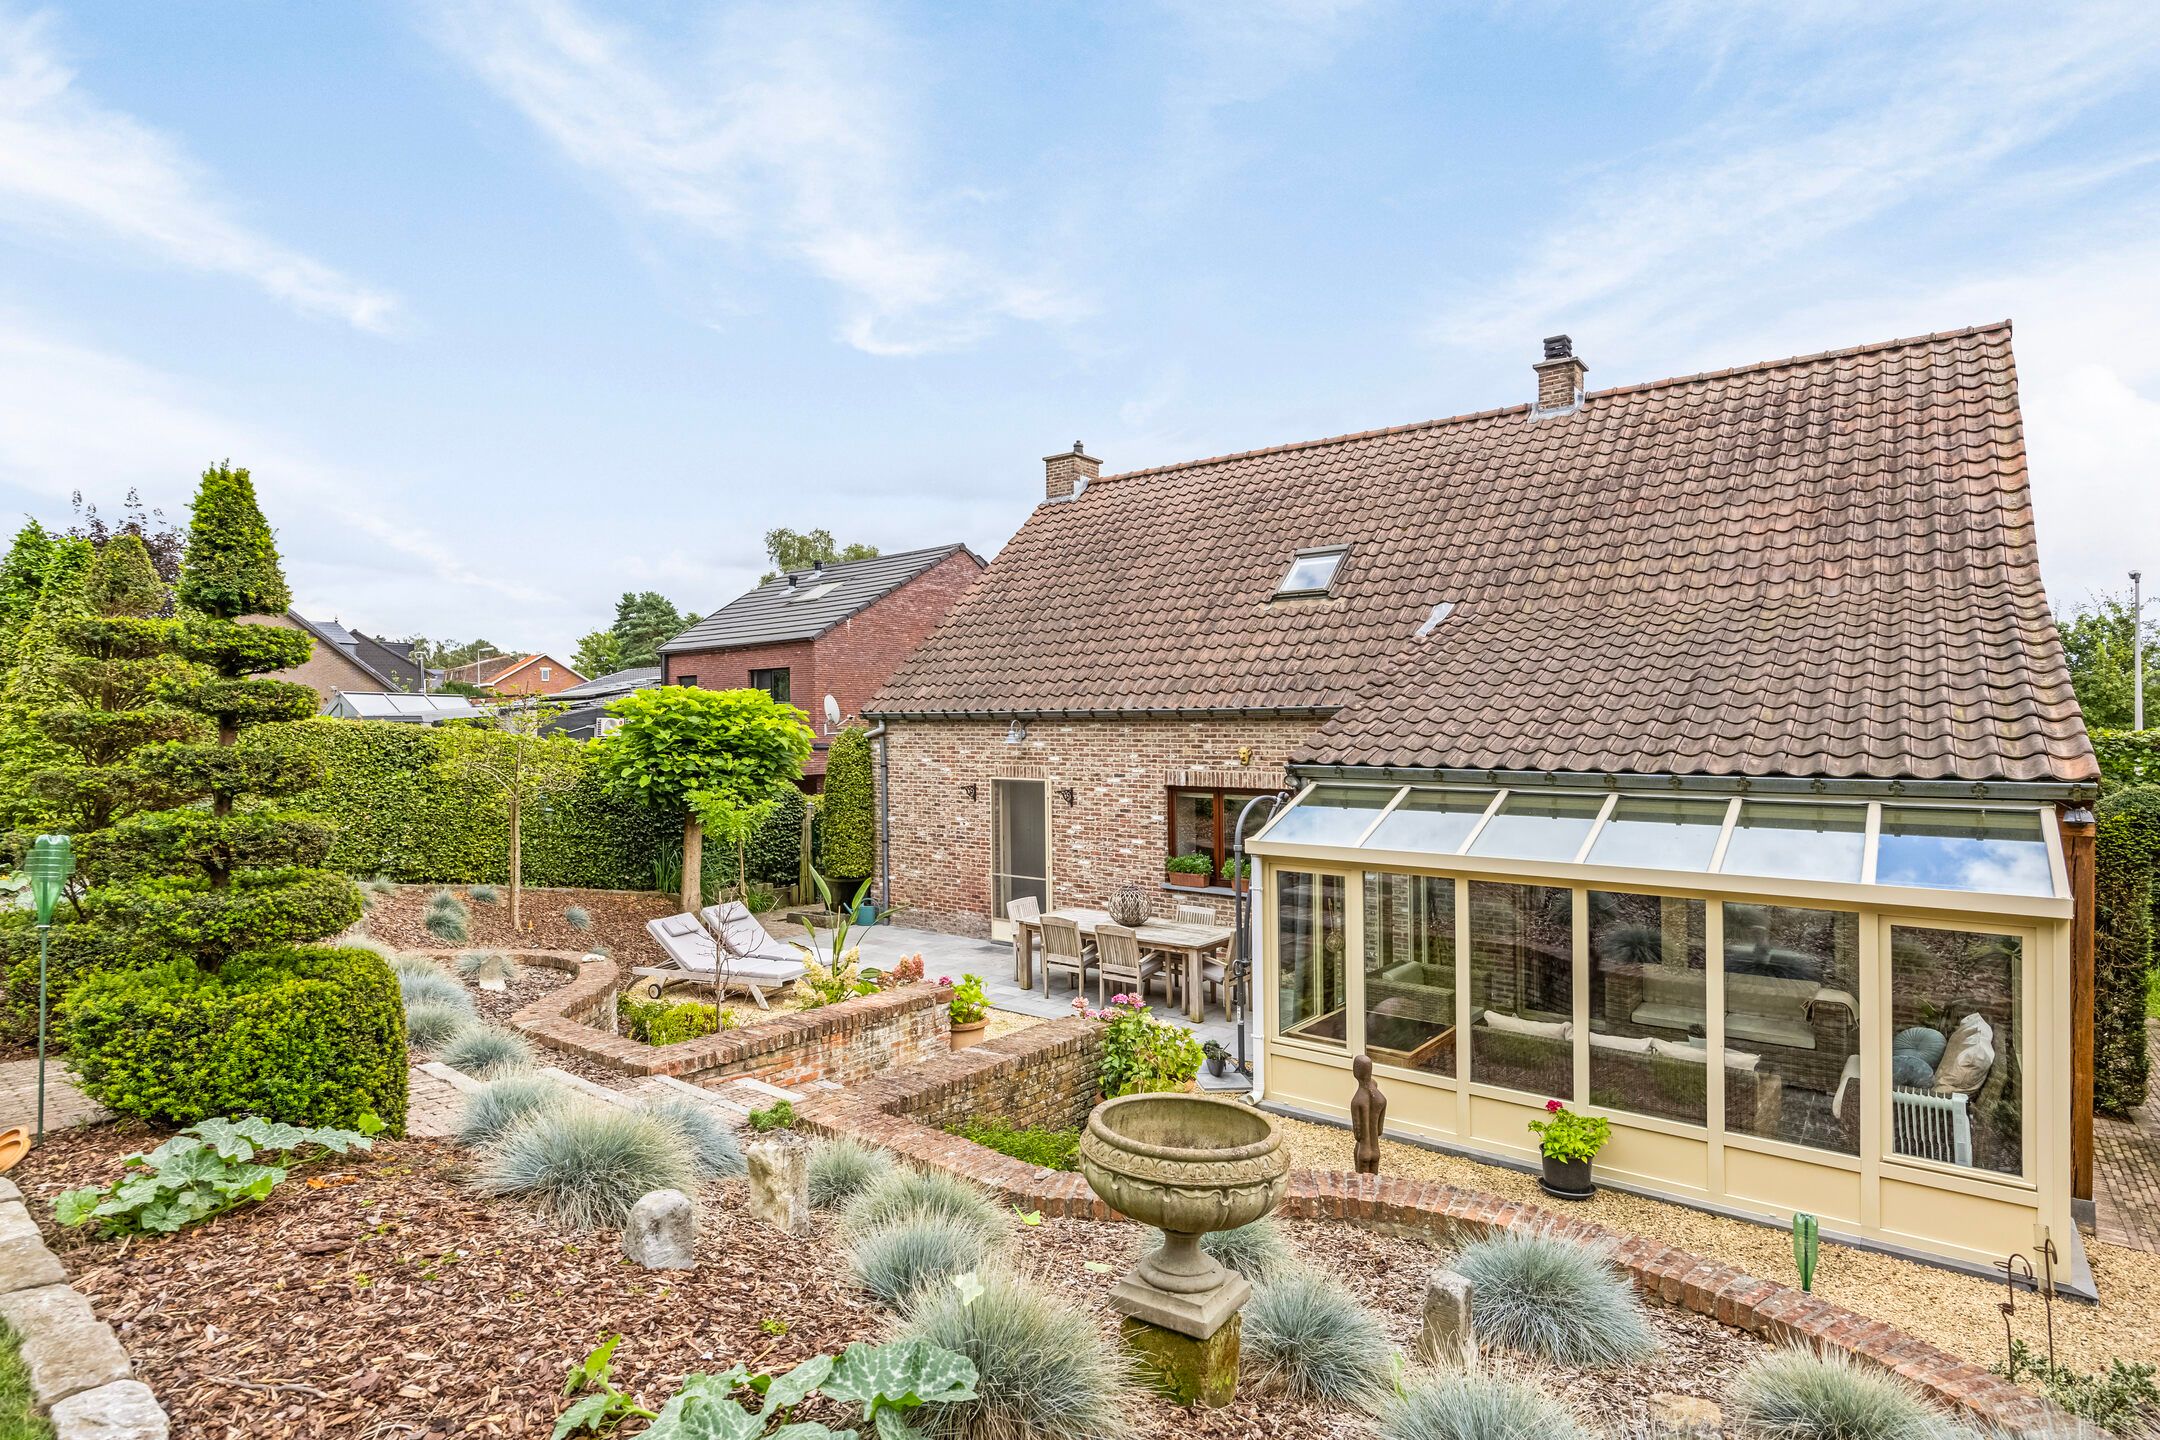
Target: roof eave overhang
1668	784
1126	712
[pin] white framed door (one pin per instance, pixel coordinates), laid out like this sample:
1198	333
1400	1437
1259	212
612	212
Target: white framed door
1019	848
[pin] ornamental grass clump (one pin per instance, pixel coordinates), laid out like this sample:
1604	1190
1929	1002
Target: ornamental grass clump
500	1104
407	966
484	894
430	1024
489	969
905	1258
588	1165
430	986
930	1194
1304	1335
487	1051
447	919
1556	1300
1041	1367
578	917
1258	1251
1475	1407
712	1144
1797	1395
842	1169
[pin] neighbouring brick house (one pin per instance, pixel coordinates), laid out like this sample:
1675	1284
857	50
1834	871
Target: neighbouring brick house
345	661
533	674
1716	716
839	630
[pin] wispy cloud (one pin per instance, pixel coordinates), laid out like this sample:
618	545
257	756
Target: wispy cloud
780	131
1806	158
70	166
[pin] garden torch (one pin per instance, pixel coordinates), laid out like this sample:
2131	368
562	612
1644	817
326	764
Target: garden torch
52	860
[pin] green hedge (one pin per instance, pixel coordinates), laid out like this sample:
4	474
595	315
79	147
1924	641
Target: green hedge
408	806
311	1036
2127	855
776	849
2127	757
77	952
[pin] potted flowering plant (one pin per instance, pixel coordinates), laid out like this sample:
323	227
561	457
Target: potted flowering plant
1569	1142
1192	870
970	1011
1218	1056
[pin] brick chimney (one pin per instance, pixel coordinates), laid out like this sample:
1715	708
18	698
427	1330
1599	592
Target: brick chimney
1066	474
1559	377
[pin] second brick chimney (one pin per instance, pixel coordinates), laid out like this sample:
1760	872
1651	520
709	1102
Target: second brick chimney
1559	377
1067	473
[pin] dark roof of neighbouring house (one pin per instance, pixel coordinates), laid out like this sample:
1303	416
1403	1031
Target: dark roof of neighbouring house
784	608
378	661
615	682
1820	566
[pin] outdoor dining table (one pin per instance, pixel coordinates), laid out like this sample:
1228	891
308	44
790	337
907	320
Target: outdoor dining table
1190	943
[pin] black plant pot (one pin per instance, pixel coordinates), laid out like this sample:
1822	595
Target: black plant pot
1567	1179
1217	1064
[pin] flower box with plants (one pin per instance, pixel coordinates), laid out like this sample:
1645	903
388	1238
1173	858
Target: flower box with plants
1189	870
1569	1142
970	1011
1237	874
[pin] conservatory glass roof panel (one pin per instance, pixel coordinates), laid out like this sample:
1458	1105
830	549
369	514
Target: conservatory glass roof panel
1802	841
1434	821
1660	833
1997	852
1539	827
1332	814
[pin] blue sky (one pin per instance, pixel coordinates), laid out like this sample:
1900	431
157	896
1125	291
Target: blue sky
511	307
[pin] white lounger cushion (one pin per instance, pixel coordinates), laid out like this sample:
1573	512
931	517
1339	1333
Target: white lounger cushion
694	951
747	939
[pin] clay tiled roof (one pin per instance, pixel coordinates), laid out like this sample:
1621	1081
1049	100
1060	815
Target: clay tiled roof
1821	566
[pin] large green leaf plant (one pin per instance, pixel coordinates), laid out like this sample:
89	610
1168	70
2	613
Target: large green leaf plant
203	1171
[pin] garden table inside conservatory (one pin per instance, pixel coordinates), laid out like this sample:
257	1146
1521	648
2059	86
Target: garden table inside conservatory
1190	944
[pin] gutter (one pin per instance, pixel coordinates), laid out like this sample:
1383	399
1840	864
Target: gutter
1126	712
1666	784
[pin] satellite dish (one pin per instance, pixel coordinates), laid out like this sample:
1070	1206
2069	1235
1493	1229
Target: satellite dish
832	713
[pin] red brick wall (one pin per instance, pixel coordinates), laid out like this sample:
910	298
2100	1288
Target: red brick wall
1113	834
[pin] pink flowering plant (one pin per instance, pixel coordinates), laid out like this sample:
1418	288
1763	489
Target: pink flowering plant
1564	1135
1142	1054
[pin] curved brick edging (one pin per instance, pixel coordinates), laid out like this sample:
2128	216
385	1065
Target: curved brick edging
80	1374
842	1041
883	1112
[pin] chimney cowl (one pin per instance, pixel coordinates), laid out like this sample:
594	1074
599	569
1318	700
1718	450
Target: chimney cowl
1559	347
1068	472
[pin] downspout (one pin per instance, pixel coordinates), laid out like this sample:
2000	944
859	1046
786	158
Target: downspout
884	817
1241	911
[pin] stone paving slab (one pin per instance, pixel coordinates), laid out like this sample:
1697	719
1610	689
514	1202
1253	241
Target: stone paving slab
25	1263
2126	1169
65	1105
123	1410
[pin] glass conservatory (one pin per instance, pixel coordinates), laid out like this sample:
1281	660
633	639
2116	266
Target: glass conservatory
1851	1007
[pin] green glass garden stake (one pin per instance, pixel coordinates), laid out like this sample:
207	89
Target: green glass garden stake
1806	1244
52	860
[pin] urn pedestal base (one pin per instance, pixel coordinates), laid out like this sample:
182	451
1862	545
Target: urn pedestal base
1188	1370
1197	1316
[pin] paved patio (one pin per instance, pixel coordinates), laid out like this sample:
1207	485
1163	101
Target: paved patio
2126	1169
957	955
64	1104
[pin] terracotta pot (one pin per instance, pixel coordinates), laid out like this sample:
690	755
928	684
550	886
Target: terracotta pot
1567	1179
969	1033
1180	877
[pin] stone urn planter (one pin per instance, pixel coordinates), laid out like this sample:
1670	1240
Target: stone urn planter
1186	1164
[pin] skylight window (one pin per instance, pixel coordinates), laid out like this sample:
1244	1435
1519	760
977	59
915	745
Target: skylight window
813	592
1312	572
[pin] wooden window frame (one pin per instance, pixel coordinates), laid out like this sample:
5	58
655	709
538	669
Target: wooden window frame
771	670
1224	824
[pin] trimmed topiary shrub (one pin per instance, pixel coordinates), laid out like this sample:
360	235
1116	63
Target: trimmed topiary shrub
487	1052
842	1169
712	1143
1304	1334
897	1263
910	1194
1475	1407
1259	1251
1556	1300
588	1164
1041	1367
500	1104
308	1036
1796	1395
847	814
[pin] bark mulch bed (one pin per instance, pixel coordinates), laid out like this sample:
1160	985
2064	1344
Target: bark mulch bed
378	1296
618	920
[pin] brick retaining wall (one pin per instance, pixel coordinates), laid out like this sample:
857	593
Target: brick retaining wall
1043	1077
846	1043
902	1111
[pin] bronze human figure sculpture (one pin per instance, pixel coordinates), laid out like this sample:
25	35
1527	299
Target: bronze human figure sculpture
1368	1112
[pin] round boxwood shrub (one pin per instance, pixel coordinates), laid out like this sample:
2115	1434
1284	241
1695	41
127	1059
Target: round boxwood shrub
309	1036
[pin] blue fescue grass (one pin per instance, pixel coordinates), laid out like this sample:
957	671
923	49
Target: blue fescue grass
1555	1300
588	1165
1306	1335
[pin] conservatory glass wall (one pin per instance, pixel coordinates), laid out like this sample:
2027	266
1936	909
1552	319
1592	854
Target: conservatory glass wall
1851	1007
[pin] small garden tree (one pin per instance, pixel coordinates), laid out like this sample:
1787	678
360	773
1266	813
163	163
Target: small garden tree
677	743
511	769
2126	858
847	816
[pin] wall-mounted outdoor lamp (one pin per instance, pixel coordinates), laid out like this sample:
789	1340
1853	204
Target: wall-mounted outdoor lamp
1066	794
1016	733
968	790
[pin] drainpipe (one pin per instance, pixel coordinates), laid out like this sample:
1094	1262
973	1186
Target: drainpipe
884	816
1241	911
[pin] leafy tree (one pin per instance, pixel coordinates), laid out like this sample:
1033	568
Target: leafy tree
791	550
22	580
644	621
164	543
598	653
679	747
847	816
30	648
2096	639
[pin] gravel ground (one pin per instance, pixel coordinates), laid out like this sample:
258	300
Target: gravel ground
1958	1312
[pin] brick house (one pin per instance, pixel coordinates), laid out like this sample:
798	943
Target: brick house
345	661
533	674
839	631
